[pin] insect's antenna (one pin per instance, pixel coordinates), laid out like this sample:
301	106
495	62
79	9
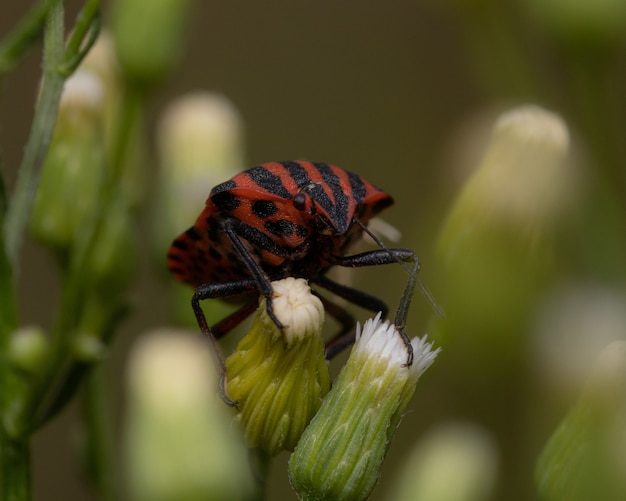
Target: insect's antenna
427	294
382	245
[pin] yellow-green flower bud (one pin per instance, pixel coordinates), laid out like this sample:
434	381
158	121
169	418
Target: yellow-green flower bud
27	349
585	458
149	36
454	451
68	191
180	444
279	377
340	453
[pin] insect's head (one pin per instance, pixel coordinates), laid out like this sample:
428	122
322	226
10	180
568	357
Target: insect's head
313	202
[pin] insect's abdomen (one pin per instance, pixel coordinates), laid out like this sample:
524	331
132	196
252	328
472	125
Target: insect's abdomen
204	254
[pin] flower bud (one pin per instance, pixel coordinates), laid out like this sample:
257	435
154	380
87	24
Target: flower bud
340	453
279	377
102	62
27	349
69	188
149	36
586	456
88	348
179	441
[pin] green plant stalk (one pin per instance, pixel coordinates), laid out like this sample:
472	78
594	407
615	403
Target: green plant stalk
28	178
15	458
262	464
87	23
39	139
16	481
99	458
58	64
15	46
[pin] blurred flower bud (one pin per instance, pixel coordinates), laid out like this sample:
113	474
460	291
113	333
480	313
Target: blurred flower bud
457	451
180	444
88	348
496	246
102	62
340	453
69	188
149	36
279	377
586	456
27	349
200	145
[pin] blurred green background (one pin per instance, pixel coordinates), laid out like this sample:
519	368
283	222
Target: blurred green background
404	93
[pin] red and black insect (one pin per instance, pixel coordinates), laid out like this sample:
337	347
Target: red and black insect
285	219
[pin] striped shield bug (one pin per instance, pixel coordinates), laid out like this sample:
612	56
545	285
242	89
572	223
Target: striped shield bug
282	219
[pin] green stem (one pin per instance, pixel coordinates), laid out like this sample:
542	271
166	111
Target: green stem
262	463
24	35
15	451
99	455
15	474
87	23
39	139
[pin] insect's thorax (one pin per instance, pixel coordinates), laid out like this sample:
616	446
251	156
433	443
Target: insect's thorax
306	256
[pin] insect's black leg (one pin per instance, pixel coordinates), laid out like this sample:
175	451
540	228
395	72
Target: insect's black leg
227	324
388	256
212	291
346	337
234	229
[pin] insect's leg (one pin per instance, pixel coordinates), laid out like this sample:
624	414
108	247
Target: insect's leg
227	324
389	256
212	291
236	229
346	336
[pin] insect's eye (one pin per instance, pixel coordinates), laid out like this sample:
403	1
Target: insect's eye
299	201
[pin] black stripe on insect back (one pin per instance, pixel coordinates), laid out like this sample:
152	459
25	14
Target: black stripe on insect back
268	181
340	210
298	173
358	188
